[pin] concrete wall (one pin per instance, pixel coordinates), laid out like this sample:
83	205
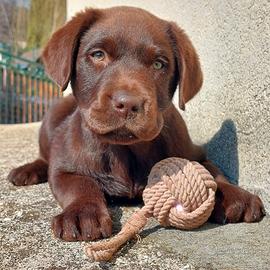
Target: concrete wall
231	114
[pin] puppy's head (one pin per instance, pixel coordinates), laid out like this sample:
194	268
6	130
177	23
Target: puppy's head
124	65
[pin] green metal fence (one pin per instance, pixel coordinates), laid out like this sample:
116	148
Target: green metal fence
25	91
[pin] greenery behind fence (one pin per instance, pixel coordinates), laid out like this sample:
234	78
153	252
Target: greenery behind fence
25	91
25	27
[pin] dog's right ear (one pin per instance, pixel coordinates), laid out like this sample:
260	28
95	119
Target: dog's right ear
60	53
190	73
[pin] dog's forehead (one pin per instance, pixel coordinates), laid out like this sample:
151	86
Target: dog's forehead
131	17
131	24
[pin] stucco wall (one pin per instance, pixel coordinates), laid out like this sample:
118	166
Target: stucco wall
231	114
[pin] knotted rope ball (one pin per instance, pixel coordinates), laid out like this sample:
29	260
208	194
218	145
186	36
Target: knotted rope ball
179	193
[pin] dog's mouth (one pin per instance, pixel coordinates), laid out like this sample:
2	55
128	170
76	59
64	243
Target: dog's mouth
125	132
120	136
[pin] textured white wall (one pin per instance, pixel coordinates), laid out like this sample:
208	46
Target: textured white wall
232	112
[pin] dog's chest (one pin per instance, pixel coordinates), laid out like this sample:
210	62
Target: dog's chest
124	172
121	175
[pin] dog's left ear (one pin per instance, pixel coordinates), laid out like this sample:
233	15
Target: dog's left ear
61	51
190	74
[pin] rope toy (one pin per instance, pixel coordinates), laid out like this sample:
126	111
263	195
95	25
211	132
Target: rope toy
179	193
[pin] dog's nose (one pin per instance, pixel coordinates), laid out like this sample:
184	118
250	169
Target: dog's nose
126	104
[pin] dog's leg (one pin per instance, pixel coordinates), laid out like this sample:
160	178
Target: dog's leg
30	173
85	215
233	204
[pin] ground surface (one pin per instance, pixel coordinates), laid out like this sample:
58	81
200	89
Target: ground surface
26	241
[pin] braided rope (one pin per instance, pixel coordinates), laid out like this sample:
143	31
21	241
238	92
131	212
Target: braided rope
179	193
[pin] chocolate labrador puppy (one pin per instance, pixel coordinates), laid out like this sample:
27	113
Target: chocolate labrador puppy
124	65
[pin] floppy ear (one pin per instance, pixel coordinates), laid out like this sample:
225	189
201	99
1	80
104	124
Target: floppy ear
190	74
59	56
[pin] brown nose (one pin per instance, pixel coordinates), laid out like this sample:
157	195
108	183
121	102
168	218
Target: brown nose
126	104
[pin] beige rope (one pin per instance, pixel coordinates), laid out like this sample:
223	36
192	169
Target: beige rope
180	193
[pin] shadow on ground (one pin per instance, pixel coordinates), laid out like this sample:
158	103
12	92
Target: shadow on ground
222	150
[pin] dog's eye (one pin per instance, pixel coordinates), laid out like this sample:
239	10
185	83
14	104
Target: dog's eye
158	65
98	55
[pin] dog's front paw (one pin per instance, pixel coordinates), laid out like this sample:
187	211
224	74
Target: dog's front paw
234	204
82	221
29	174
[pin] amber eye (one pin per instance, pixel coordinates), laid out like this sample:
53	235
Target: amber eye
158	65
98	55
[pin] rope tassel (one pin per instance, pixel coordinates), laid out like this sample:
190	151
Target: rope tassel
104	250
180	193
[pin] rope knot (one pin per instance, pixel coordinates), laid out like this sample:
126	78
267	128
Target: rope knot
180	193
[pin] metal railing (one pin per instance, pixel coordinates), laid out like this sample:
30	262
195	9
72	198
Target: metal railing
25	91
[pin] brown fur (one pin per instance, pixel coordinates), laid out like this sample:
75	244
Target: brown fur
104	139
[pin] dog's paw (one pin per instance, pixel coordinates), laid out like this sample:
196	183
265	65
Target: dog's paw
29	174
234	204
82	221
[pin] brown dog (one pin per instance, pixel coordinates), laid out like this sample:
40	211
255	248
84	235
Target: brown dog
124	65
